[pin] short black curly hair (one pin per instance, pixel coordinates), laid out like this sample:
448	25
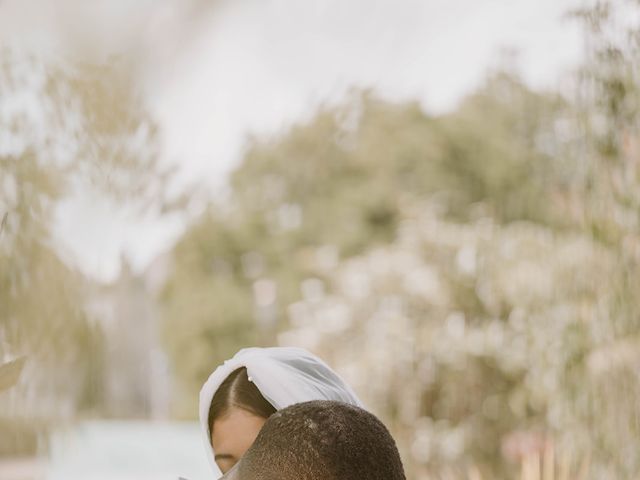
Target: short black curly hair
322	440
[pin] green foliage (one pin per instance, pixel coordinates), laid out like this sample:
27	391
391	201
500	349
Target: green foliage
501	148
359	161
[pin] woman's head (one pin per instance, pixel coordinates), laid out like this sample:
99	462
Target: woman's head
237	412
245	390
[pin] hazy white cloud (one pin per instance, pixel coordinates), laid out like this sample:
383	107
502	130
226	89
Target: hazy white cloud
263	64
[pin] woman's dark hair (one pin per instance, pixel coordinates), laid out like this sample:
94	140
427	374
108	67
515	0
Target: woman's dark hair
238	391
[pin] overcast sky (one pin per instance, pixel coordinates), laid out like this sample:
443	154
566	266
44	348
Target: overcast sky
259	65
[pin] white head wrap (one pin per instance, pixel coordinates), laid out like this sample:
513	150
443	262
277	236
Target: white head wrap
283	375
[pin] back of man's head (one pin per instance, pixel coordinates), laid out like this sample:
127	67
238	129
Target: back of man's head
322	440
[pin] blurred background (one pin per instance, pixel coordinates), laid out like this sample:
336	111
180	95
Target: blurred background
439	198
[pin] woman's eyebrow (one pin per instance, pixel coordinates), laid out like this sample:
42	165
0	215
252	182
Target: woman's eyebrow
224	456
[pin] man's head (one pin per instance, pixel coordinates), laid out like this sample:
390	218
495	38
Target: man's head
321	440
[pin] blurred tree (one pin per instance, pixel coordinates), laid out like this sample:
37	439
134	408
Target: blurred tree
502	150
359	161
208	305
474	334
340	182
482	266
60	125
609	102
609	116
